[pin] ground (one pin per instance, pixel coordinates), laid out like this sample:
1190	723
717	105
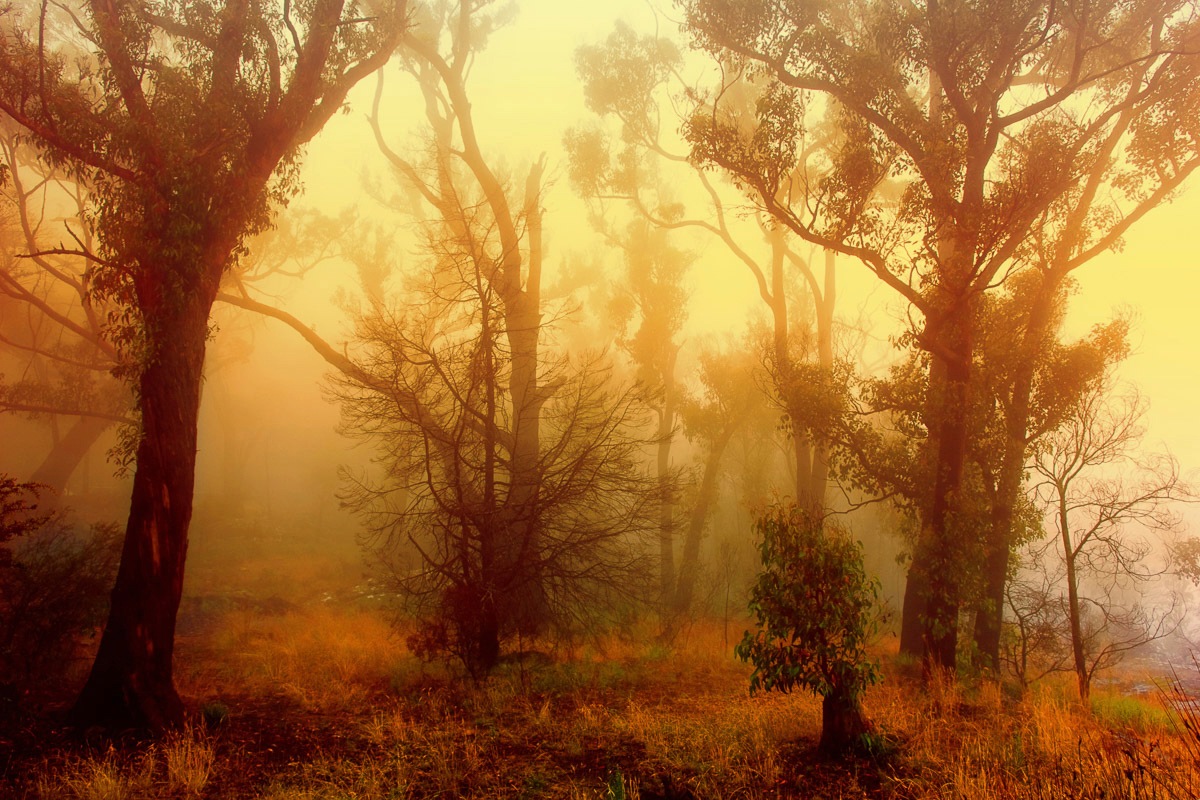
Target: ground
299	685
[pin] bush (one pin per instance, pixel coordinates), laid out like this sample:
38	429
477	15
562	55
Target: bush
816	610
54	584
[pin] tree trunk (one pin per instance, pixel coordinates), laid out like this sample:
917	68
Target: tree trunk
666	502
1076	617
689	566
62	461
938	558
915	610
842	723
998	548
521	545
916	605
485	649
131	684
824	302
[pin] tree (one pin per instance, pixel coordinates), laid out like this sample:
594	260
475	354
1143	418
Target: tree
815	609
630	79
54	327
186	123
438	53
728	397
1029	383
991	118
1096	493
513	477
653	294
464	546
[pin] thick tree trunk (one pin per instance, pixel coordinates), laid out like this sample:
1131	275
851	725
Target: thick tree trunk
989	617
484	651
938	559
915	609
62	461
131	684
998	548
842	723
522	545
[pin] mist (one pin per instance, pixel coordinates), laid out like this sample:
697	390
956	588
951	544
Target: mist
595	387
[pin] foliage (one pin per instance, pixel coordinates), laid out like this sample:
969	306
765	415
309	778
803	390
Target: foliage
18	504
976	141
815	607
54	584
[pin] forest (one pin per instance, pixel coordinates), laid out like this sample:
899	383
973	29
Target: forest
691	399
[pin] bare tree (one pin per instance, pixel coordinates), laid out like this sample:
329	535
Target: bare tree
466	544
515	477
1101	497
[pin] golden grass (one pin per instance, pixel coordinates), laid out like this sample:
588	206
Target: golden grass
323	659
178	766
624	717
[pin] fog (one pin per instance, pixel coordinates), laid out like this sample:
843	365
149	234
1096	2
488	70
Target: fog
377	430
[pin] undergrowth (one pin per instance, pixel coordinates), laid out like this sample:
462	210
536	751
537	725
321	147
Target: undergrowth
326	703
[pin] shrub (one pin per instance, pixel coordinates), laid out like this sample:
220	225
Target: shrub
816	610
54	585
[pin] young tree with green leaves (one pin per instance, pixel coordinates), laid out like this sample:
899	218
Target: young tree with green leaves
816	611
186	120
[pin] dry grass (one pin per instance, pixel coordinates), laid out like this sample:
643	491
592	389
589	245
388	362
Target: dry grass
326	703
178	766
324	659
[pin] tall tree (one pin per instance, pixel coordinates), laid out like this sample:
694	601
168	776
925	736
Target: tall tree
439	53
989	115
630	79
187	124
649	308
